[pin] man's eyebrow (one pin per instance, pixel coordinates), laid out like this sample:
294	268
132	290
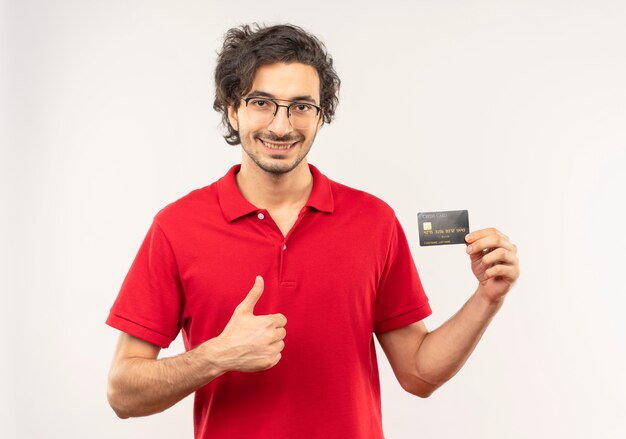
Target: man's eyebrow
263	94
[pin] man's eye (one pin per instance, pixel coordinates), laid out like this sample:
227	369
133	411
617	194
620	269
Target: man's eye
259	103
302	108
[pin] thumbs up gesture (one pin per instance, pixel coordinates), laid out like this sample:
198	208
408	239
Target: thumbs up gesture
250	343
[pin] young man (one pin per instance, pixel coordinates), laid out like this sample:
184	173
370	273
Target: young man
275	241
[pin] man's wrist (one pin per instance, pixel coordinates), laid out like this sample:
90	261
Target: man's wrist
209	354
488	302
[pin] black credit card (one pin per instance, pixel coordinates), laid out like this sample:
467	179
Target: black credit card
443	228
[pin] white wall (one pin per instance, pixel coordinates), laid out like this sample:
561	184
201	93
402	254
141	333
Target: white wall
522	104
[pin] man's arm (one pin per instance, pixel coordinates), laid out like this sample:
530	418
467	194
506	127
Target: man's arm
140	384
422	361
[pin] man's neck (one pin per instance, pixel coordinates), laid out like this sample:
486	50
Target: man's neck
275	191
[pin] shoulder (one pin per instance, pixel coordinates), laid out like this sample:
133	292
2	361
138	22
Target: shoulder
350	198
365	218
199	202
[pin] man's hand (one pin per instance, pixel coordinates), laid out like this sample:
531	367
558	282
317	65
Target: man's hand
421	360
140	384
494	262
250	343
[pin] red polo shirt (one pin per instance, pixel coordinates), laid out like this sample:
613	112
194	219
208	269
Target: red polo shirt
342	273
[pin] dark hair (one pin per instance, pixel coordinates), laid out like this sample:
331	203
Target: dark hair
246	48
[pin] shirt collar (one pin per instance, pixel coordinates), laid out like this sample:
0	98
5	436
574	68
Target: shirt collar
234	205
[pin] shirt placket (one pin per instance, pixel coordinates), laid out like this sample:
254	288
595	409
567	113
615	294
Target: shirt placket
282	243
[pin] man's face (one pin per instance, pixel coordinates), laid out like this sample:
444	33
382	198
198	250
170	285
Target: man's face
276	146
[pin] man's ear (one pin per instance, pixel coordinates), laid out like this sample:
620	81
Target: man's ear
232	117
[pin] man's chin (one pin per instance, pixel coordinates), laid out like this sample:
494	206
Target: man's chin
279	167
277	170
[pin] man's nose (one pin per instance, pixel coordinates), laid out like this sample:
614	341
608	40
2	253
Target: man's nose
280	124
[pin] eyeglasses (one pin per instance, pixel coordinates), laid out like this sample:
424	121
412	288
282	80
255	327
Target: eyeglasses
301	115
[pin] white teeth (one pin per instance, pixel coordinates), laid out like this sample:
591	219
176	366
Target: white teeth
275	145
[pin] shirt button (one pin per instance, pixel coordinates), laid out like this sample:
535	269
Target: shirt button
261	216
285	247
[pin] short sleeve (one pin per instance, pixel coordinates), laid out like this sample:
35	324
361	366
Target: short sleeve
400	298
149	304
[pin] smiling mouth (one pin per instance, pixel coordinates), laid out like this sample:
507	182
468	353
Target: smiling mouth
277	146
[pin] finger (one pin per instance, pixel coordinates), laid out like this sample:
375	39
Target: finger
485	233
248	303
278	345
478	234
489	242
507	272
278	320
277	359
280	334
271	361
500	256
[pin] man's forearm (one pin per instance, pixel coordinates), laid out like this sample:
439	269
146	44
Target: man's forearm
444	351
142	386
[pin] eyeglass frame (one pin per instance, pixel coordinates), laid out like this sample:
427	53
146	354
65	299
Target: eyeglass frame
288	107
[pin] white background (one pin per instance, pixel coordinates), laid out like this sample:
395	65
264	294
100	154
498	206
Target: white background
513	110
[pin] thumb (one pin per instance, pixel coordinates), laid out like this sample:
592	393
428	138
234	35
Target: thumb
248	303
